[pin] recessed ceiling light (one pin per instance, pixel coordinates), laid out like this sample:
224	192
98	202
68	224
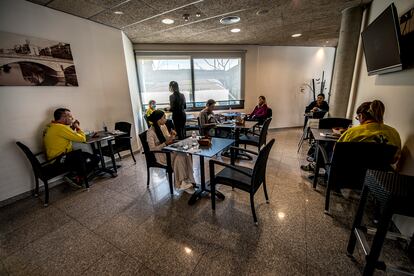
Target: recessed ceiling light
118	12
229	20
296	35
167	21
236	30
327	41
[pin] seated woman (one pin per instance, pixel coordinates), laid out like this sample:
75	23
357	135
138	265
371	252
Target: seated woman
372	128
259	113
182	164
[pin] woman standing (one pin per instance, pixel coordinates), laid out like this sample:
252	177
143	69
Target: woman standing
177	107
182	164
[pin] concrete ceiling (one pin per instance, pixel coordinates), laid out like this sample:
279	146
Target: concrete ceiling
317	20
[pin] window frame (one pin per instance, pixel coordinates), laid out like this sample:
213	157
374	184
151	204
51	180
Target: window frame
191	104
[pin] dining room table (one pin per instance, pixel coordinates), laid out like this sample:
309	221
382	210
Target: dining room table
95	139
191	146
322	136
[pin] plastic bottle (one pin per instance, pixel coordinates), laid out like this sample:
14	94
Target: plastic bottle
193	135
105	128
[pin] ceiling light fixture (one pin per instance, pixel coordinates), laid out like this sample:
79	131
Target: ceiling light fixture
167	21
186	17
235	30
296	35
229	20
118	12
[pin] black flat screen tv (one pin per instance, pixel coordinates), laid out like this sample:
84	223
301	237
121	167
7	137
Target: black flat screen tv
381	42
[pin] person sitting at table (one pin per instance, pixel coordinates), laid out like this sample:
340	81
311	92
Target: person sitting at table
371	127
152	105
207	119
58	137
158	137
259	113
318	106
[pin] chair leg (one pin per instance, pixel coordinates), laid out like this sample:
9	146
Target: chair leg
357	221
327	197
36	193
46	194
253	210
119	155
265	191
213	194
132	154
85	180
148	176
170	181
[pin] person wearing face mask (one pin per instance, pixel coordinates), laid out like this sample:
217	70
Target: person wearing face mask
152	105
58	138
158	137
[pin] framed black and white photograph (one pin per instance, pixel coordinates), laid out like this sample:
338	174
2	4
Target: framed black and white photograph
31	61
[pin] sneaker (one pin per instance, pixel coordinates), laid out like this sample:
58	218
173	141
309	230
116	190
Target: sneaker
308	168
74	183
190	190
310	159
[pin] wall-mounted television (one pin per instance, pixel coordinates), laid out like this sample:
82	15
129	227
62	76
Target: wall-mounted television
381	42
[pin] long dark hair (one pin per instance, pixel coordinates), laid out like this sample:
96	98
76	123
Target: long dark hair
154	118
174	87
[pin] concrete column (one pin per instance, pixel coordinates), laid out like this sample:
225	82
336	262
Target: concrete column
345	61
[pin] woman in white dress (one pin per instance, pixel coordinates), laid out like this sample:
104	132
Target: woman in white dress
159	137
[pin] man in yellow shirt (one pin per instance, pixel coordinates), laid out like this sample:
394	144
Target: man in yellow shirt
58	137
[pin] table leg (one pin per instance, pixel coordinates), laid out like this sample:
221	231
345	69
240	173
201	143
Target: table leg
112	156
202	191
113	173
315	179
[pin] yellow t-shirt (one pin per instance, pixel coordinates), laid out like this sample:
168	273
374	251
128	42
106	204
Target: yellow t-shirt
148	113
372	132
58	138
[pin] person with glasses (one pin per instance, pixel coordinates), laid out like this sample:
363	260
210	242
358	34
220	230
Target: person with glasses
371	126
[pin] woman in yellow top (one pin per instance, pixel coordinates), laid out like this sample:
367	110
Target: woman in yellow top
372	128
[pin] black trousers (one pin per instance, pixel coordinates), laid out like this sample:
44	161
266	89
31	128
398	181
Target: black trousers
77	161
179	124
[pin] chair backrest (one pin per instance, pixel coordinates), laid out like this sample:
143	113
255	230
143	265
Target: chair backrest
263	132
125	127
350	161
318	114
149	156
327	123
269	113
37	168
259	170
200	129
147	121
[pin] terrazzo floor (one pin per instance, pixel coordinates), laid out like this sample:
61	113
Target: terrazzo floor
122	227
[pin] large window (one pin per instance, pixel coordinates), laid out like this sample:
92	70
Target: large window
200	77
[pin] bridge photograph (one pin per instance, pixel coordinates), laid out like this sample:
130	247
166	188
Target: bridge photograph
31	61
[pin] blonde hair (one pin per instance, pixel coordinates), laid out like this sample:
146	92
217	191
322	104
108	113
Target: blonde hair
372	111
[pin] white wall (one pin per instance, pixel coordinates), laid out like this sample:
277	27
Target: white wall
282	71
396	91
102	95
275	72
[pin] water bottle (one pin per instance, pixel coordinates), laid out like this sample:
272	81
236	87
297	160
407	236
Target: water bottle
194	135
105	128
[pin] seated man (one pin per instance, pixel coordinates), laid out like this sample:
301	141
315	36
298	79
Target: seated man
58	137
152	105
207	119
260	112
318	106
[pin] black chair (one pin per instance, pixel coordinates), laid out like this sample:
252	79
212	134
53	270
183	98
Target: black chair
394	193
45	171
122	142
261	121
152	161
350	162
245	179
254	139
327	123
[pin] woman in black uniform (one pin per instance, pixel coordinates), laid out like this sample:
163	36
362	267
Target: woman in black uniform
177	107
